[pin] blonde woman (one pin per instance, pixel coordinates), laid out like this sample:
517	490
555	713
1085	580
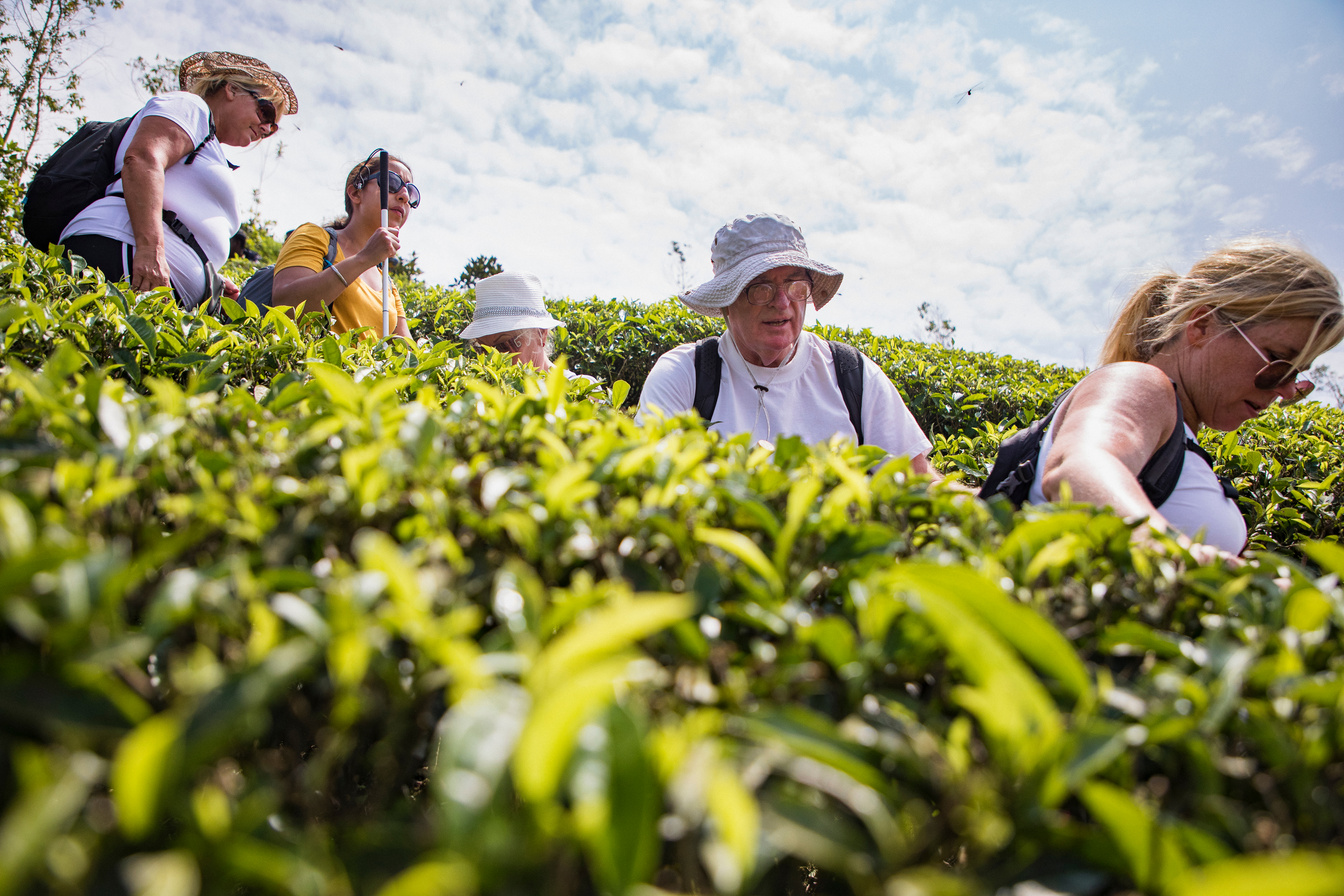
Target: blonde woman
1215	348
168	218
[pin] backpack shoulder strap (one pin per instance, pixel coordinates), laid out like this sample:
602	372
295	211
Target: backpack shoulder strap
191	156
1159	476
708	375
331	249
849	376
1229	490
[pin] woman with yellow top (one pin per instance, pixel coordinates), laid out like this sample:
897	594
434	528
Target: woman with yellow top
352	287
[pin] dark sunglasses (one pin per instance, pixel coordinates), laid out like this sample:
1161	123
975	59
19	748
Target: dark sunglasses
265	108
394	185
1276	374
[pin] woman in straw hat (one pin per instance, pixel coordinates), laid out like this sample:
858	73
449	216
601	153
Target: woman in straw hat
351	287
511	316
1214	348
775	379
168	218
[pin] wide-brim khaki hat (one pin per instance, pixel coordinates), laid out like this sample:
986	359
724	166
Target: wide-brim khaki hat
221	64
748	247
509	301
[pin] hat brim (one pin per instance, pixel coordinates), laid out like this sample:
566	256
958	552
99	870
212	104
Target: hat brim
712	297
506	322
222	64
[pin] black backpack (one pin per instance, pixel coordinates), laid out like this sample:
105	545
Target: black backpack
848	375
78	174
1015	465
259	287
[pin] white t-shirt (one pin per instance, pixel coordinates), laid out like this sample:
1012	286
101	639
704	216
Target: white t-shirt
1197	507
803	399
201	194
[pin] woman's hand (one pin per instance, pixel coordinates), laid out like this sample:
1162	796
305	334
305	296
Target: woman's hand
381	245
149	268
230	288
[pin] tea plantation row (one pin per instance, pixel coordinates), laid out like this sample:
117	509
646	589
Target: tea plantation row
284	612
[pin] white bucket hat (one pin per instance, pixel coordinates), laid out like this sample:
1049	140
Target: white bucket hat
507	302
747	248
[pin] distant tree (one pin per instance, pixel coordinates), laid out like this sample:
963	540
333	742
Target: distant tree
159	76
680	276
478	268
937	328
406	268
1329	383
34	80
34	74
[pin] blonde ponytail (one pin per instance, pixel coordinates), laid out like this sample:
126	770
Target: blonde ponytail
1247	281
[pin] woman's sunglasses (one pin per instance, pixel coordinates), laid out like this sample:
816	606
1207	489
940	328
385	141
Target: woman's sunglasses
394	185
1275	374
266	109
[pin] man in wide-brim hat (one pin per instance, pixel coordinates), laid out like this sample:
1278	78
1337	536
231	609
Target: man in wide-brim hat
774	379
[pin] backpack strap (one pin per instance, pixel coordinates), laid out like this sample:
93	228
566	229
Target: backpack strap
1159	476
849	376
708	375
1229	490
191	156
331	249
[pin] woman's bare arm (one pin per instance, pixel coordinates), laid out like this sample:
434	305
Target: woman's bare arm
157	144
311	290
1111	425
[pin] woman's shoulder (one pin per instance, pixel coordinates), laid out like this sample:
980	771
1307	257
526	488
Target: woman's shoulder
306	240
1125	389
187	110
1127	376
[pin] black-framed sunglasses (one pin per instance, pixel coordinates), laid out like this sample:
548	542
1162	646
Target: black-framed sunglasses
1276	374
394	186
799	290
266	109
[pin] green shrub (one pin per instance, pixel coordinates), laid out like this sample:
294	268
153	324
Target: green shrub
295	613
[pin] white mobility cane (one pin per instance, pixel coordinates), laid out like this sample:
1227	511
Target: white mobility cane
382	196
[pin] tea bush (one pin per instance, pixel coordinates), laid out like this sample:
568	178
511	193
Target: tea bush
296	613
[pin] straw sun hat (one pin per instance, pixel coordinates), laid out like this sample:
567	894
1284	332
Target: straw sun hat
748	247
508	301
221	64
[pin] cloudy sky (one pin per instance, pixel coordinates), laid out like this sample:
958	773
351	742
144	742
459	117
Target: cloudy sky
578	140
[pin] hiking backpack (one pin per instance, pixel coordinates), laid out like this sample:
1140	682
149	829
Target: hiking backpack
78	174
260	286
1014	468
848	375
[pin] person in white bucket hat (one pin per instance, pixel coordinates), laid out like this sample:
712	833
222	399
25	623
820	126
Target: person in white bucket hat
765	375
511	317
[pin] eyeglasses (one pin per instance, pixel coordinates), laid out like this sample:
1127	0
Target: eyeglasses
512	344
1277	373
266	109
394	186
794	291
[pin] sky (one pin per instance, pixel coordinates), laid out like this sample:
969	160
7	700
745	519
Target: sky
1019	166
